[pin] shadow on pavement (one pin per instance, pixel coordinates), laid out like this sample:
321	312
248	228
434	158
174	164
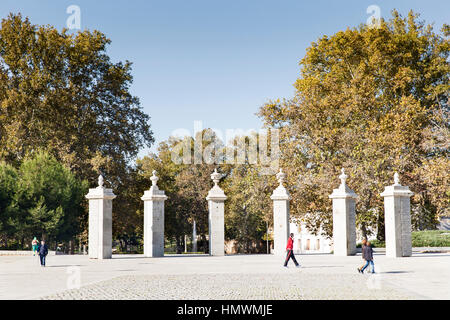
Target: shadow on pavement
123	257
66	266
394	272
319	267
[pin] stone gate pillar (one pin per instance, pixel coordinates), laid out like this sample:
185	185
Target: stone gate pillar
397	218
344	219
100	221
216	203
281	198
154	219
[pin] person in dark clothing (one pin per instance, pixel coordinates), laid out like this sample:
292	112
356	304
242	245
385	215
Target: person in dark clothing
290	252
42	251
368	256
363	244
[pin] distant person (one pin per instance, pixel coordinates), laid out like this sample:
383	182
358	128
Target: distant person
368	256
290	251
43	251
35	246
363	244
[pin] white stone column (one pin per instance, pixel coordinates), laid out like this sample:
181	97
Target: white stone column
397	217
281	226
154	219
216	203
100	221
344	219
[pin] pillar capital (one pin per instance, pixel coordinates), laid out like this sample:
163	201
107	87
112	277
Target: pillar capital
154	194
103	193
281	193
397	190
343	191
100	192
216	193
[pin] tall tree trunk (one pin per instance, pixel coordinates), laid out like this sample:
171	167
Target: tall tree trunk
178	244
71	247
204	243
380	229
364	230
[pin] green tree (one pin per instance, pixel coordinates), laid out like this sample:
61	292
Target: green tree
61	91
8	185
248	212
369	100
49	199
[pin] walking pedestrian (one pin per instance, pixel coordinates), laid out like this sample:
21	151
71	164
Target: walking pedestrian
43	251
368	256
363	244
34	245
290	252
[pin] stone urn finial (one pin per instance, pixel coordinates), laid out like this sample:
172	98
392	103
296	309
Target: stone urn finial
343	177
215	177
396	179
100	181
281	176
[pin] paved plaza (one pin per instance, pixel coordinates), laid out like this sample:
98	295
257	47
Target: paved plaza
322	276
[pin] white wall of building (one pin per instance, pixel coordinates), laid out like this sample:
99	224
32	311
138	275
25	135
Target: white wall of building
306	242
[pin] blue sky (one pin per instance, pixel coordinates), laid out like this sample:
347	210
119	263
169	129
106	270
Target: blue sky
213	60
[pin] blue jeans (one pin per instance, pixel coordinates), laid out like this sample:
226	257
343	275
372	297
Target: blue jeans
42	257
367	264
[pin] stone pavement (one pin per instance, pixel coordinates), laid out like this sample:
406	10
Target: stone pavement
322	276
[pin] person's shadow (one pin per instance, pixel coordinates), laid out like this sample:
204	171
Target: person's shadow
394	272
66	266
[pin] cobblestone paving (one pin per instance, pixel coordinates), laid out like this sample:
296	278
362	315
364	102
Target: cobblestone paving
292	286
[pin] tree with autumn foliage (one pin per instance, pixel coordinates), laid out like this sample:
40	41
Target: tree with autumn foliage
186	183
373	101
248	211
60	92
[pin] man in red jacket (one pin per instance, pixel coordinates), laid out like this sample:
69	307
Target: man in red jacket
290	251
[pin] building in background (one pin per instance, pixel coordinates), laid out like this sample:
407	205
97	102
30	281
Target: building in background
306	242
444	223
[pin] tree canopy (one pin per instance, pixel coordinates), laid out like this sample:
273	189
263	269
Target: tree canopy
374	101
61	92
43	199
